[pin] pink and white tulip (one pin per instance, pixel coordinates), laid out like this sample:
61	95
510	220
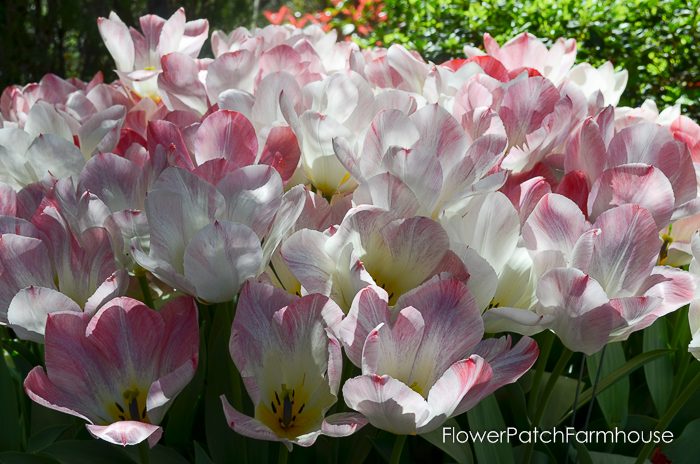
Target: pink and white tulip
291	366
119	370
424	361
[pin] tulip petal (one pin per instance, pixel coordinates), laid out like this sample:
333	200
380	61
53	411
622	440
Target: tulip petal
127	433
386	403
638	184
219	258
29	308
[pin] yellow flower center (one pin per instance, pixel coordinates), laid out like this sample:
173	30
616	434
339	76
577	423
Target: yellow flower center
287	411
132	406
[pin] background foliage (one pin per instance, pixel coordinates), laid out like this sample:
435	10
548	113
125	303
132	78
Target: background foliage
657	41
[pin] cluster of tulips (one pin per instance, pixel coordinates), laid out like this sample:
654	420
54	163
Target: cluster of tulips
377	228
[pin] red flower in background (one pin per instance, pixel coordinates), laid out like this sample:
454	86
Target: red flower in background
348	17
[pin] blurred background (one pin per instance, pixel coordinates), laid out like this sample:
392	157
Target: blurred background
657	41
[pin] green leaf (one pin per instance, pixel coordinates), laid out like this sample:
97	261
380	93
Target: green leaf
46	437
658	373
87	452
613	401
159	454
181	416
11	436
14	457
607	458
486	416
460	452
222	378
201	456
560	400
617	374
684	449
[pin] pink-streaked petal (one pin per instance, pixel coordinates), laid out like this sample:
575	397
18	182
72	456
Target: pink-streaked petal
305	255
113	286
391	348
178	206
245	425
332	315
625	251
226	134
555	224
419	169
101	132
440	134
638	184
654	145
118	41
24	261
50	155
386	403
419	244
449	391
180	85
118	182
29	308
524	106
638	312
583	317
390	128
219	258
42	390
8	200
286	217
125	319
166	388
507	363
574	186
388	192
253	196
44	119
171	32
451	318
342	424
257	304
281	151
127	433
369	309
167	135
233	70
526	195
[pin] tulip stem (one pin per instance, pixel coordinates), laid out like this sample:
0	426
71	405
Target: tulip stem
145	290
551	383
547	343
398	448
671	412
144	452
542	401
283	454
599	369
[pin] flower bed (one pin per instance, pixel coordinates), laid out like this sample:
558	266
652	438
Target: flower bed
298	240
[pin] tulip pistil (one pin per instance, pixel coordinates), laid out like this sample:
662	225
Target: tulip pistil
284	411
133	406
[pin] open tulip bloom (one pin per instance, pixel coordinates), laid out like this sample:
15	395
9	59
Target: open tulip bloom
291	366
381	242
119	370
423	361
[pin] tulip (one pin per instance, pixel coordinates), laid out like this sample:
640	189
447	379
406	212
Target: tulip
119	370
291	366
